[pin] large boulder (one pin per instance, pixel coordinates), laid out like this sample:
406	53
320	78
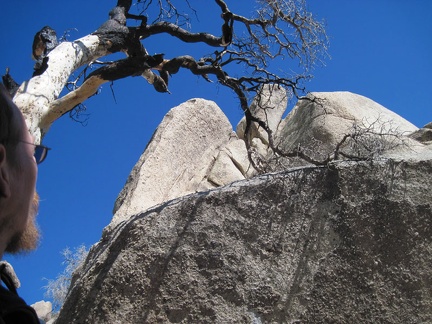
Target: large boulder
43	310
178	158
321	120
347	243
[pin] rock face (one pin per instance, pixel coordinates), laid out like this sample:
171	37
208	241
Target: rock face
195	149
345	242
352	242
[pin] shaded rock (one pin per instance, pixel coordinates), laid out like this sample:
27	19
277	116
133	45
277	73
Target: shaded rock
231	164
349	242
423	135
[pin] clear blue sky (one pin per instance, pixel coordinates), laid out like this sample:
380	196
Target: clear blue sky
381	49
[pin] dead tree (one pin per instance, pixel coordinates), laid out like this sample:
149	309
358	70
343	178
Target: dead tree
279	29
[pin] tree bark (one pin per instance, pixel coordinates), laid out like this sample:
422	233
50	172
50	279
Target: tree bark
38	95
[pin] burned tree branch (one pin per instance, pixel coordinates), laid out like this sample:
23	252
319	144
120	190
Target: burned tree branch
10	84
181	34
280	28
131	66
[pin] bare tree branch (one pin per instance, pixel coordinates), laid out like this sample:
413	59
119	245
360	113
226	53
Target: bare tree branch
280	29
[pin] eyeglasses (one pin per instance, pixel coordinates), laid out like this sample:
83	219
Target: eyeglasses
40	152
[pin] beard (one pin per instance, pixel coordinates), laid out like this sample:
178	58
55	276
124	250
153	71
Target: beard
28	239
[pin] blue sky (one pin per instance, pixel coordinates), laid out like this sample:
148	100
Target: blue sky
381	49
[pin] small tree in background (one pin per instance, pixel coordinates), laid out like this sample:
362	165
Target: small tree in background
57	289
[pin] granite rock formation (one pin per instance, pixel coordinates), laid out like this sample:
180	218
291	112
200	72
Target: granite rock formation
176	159
346	241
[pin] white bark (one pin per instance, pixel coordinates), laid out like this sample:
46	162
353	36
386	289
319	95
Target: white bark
38	97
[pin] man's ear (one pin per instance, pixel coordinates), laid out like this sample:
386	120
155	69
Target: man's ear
4	173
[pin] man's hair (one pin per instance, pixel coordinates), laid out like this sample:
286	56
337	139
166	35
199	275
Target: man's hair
9	131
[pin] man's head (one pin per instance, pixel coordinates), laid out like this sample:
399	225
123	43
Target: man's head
18	173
